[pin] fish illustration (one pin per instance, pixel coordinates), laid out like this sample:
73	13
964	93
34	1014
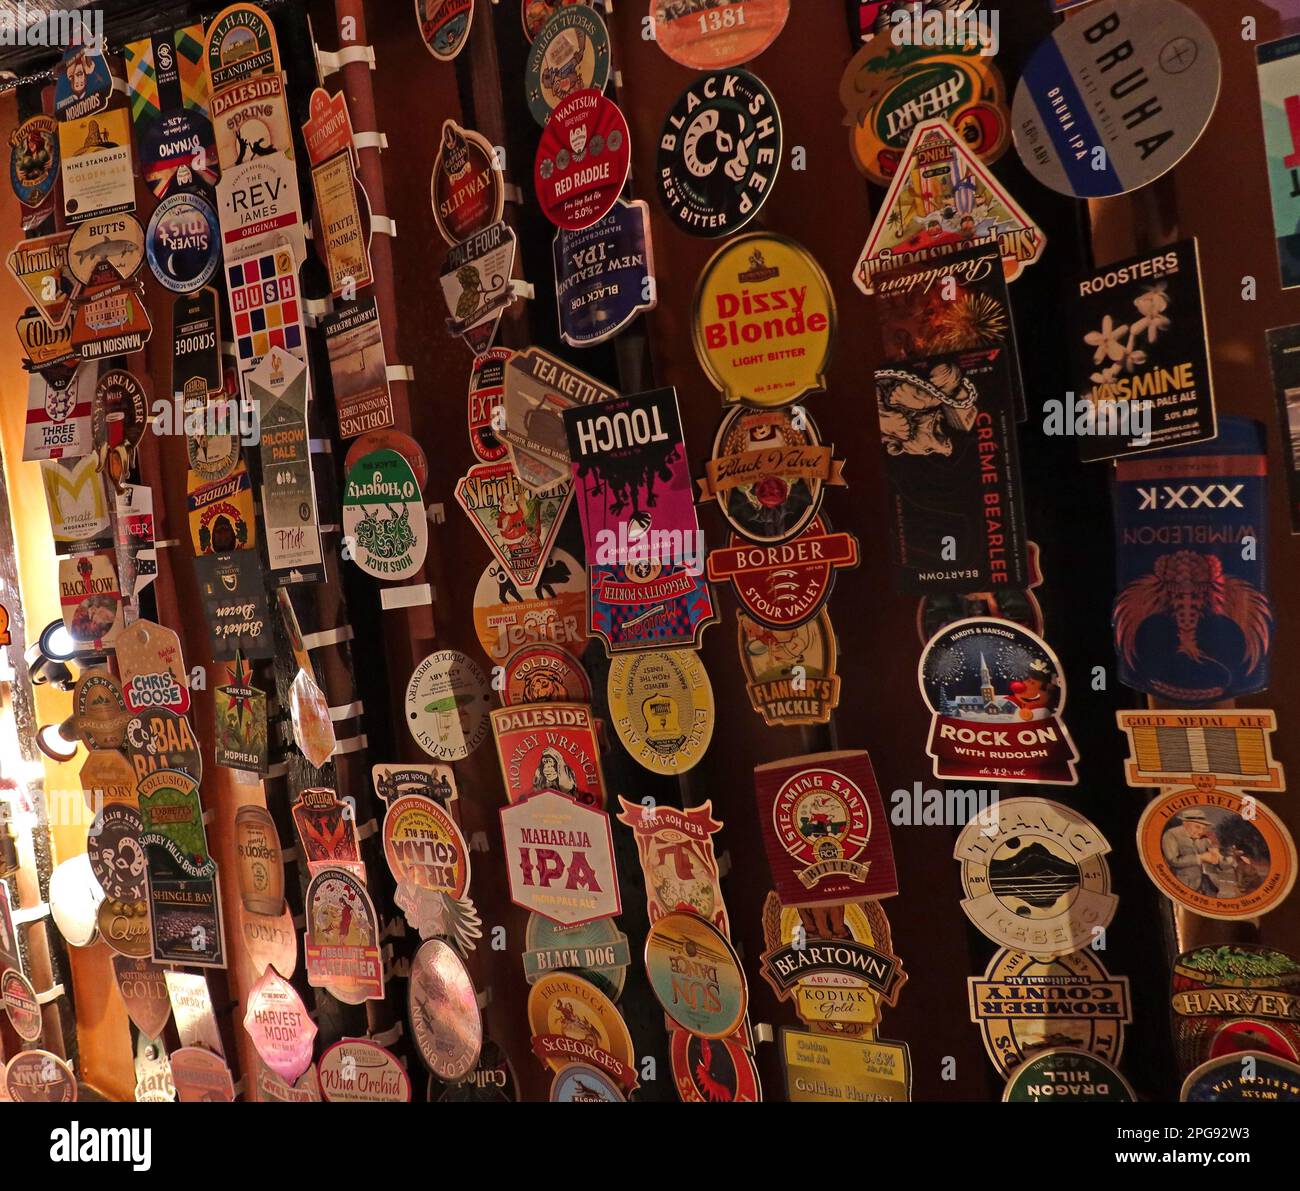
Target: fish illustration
106	249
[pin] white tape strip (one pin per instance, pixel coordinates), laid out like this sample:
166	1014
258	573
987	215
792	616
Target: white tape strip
522	289
335	636
367	829
50	994
384	225
31	914
277	771
512	193
763	1032
320	446
399	372
330	529
333	63
352	745
484	998
412	595
370	140
388	1037
347	711
318	306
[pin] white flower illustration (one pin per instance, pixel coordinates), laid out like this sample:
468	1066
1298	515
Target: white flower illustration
1152	306
1108	341
1134	358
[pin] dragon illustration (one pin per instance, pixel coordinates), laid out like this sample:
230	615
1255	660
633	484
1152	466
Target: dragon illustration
326	838
713	1089
1191	587
574	1025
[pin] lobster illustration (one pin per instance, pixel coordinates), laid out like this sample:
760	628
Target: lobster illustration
1191	587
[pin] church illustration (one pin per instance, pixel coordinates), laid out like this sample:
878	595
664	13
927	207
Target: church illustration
987	705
